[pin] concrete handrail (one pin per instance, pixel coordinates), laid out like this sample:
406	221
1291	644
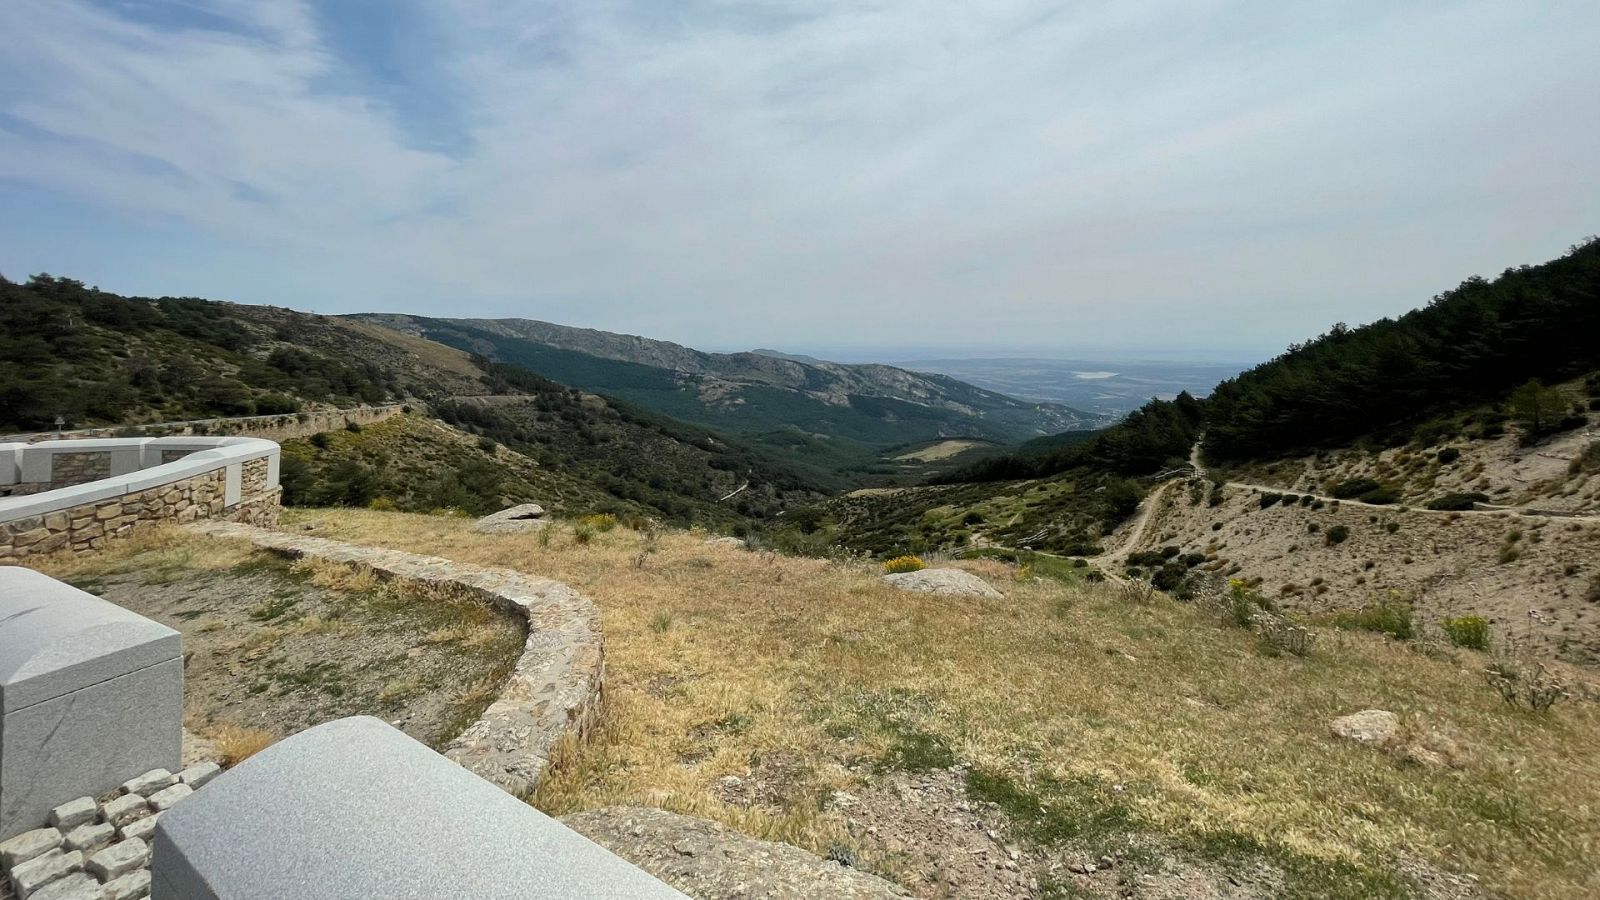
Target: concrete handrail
135	464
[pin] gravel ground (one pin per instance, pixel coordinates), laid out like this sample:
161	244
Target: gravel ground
268	649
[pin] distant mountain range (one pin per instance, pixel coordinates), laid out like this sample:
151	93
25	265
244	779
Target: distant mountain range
782	397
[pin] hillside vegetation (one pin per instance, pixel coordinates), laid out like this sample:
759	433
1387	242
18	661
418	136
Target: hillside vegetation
1469	345
96	358
1512	360
836	416
1058	496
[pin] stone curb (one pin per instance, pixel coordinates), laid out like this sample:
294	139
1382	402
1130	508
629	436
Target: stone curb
554	691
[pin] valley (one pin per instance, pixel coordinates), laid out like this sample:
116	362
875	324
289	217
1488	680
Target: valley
1069	703
1109	387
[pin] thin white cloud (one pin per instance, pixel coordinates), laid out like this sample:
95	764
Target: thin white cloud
713	172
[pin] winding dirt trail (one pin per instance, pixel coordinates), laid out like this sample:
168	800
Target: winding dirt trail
1108	560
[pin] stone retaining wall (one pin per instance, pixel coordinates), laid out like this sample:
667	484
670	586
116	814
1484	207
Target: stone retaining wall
80	468
134	481
554	692
275	427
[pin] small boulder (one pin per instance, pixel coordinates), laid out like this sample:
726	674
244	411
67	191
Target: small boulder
523	517
947	582
1370	726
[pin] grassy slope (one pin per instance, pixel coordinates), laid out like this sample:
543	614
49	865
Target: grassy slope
416	463
421	464
1115	718
1065	514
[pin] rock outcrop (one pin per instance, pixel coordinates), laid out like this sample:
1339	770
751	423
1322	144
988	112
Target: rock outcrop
948	582
524	517
1370	726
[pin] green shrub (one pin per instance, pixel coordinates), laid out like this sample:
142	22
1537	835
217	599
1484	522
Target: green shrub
276	404
600	522
1449	455
1391	527
1150	559
904	564
1290	499
1169	576
1593	594
1269	499
1337	535
1353	488
1381	496
1471	632
1458	502
1510	553
1392	617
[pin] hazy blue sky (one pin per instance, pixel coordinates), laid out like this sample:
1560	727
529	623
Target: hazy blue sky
1197	176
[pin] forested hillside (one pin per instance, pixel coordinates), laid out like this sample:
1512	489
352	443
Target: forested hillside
96	358
1469	345
769	397
1472	361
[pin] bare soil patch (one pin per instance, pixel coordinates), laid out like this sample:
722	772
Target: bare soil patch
274	647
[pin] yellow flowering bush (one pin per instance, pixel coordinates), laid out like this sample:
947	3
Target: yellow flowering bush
904	564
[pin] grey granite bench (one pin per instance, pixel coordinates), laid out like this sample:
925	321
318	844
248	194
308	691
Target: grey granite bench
354	809
90	696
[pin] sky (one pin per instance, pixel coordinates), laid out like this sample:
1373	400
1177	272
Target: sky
1196	179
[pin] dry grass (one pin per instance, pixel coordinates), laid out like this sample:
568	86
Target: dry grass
430	352
159	554
823	666
236	743
821	672
939	451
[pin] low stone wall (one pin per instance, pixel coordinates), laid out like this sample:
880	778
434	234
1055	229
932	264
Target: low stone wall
79	494
280	427
553	694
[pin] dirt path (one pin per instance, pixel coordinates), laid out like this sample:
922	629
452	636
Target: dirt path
1135	534
1527	512
1109	560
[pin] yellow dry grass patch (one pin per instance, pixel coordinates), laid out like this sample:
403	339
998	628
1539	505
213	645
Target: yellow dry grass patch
236	743
154	552
941	450
433	353
723	662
